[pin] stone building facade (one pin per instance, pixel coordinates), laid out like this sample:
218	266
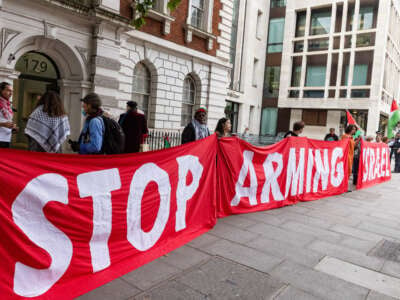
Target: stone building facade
177	62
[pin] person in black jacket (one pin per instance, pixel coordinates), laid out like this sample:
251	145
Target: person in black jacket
134	125
331	136
396	149
197	129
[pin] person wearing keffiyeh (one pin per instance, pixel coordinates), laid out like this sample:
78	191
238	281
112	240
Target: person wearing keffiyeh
48	125
197	129
6	115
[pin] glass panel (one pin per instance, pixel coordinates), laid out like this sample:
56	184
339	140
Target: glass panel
269	120
275	35
366	40
320	22
186	115
298	46
296	76
300	24
294	94
360	74
360	93
318	45
278	3
314	94
366	18
316	75
271	82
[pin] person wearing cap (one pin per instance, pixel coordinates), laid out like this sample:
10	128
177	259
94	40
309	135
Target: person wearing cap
197	129
134	125
91	138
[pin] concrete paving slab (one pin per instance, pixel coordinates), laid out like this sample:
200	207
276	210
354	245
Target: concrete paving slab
391	268
221	279
378	282
151	274
321	234
244	255
377	296
291	293
305	219
358	233
280	234
203	241
184	257
171	290
358	244
379	229
284	250
317	283
233	234
116	290
348	255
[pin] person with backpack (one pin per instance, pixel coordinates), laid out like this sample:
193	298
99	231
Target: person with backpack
134	125
92	135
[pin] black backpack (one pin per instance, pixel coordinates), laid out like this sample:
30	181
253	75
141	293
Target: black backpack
114	137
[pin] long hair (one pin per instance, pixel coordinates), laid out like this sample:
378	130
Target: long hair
52	104
220	125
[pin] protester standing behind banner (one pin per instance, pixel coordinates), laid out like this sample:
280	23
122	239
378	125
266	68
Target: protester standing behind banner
197	129
223	128
297	129
331	136
396	150
91	138
48	125
6	115
349	132
134	125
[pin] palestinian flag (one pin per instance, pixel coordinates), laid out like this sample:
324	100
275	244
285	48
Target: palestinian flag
394	118
167	144
351	121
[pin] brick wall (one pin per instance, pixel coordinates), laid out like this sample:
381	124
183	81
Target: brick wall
177	34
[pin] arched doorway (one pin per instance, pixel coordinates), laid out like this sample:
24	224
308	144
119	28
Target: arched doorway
38	74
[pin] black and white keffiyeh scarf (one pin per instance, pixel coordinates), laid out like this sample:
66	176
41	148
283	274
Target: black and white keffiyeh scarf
201	130
49	132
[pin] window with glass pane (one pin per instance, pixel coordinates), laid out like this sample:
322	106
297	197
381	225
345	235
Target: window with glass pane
316	76
232	113
141	87
188	100
271	81
275	35
320	22
366	18
157	5
234	28
301	23
278	3
197	11
296	75
360	74
269	119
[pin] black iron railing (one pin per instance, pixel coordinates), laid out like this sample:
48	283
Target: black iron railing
157	138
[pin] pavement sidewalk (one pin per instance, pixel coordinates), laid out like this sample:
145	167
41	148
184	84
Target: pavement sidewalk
343	247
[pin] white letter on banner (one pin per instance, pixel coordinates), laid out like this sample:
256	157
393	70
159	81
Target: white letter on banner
99	185
27	212
388	165
383	163
242	191
322	170
310	166
295	177
147	173
185	192
366	164
371	164
337	168
377	163
271	176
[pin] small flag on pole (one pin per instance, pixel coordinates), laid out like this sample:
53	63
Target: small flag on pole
350	119
394	119
167	144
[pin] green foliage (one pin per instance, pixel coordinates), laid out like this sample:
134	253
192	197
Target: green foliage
143	6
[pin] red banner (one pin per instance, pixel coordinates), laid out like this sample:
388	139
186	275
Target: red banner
296	169
374	166
71	223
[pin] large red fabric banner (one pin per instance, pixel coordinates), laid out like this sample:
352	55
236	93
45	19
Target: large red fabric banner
296	169
71	223
374	165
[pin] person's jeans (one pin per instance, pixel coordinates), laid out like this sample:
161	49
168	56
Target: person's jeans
4	145
397	163
356	162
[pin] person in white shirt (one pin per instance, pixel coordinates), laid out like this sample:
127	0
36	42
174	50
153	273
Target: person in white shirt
6	115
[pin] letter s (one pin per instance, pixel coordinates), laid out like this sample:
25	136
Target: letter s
27	212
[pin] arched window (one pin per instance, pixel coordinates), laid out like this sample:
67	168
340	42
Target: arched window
188	100
141	87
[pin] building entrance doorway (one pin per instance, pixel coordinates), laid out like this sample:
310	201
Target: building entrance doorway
38	74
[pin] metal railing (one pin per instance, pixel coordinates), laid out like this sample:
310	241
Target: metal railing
156	138
261	140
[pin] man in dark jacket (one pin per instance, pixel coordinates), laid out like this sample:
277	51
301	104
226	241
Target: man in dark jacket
197	128
331	136
134	125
